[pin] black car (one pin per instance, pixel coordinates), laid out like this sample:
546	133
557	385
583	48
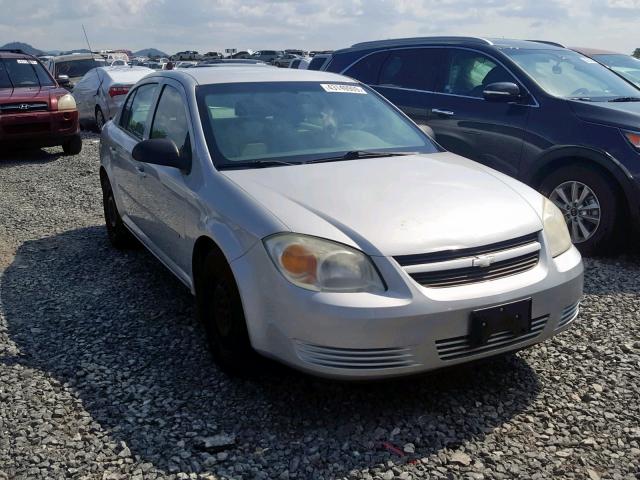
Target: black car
549	116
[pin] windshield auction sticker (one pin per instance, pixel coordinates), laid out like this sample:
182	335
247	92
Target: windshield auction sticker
337	88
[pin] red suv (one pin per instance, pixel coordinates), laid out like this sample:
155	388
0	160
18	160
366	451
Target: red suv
34	110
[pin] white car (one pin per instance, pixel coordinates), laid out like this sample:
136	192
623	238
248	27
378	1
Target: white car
318	225
101	92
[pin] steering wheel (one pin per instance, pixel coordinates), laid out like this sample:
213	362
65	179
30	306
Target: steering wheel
580	91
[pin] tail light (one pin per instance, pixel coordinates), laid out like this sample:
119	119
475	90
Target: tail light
119	90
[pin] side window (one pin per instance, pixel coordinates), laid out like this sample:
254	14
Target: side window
367	69
410	68
136	118
171	121
126	110
4	76
468	73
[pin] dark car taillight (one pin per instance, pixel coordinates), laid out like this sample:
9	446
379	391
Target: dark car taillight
121	90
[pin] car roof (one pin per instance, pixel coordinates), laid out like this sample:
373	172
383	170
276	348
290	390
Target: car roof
594	51
14	54
454	40
237	74
77	56
124	73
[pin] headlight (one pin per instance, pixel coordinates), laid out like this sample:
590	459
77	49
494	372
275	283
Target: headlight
633	137
555	228
322	265
66	102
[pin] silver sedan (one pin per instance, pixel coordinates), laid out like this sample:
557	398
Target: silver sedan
317	225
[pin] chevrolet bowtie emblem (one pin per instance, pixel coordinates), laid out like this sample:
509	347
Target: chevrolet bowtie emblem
482	261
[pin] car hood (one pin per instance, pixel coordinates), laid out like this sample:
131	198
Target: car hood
618	114
396	205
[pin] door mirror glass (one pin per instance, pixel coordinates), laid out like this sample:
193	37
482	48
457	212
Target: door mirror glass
161	151
501	92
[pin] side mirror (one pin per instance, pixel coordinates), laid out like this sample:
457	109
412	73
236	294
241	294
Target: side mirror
427	129
161	151
501	92
63	80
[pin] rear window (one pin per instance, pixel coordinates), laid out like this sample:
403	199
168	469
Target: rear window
23	72
77	68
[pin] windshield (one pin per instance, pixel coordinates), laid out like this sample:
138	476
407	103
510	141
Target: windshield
300	121
567	74
625	65
77	68
23	72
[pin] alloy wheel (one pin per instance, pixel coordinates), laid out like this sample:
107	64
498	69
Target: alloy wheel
581	209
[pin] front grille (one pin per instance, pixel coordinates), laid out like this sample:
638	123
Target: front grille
24	107
464	276
568	315
460	347
355	358
452	268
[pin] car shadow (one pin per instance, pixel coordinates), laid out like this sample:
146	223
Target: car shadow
11	157
119	332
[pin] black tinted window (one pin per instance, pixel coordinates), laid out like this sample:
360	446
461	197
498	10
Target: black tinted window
171	120
77	68
316	63
138	115
368	68
410	68
4	76
470	72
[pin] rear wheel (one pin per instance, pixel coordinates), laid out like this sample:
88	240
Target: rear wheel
100	121
221	313
119	235
589	203
72	146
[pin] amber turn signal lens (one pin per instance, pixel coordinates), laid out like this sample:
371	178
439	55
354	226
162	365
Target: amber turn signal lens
299	261
634	138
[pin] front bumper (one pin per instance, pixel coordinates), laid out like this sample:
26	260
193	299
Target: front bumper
408	329
39	129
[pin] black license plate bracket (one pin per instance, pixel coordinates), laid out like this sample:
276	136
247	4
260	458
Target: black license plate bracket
511	317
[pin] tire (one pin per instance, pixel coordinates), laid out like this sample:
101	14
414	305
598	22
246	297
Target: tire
601	234
119	235
100	121
220	311
72	146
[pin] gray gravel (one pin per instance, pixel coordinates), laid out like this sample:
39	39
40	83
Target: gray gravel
104	373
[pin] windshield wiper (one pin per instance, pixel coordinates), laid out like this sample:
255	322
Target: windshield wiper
625	99
256	164
582	99
357	154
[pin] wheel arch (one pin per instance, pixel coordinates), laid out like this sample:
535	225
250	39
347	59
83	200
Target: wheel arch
558	157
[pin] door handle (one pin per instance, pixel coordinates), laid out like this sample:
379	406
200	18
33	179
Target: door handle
140	170
448	113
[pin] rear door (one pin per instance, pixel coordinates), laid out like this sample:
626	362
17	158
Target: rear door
407	77
465	123
132	127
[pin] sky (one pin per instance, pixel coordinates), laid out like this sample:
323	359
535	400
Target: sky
213	25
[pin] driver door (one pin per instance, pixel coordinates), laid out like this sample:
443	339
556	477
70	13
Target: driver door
465	123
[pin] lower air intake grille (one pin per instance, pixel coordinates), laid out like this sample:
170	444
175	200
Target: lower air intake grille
569	314
355	358
460	347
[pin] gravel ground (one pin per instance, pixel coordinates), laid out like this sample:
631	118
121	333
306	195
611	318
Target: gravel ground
104	373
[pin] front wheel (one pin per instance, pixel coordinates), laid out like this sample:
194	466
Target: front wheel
72	146
221	313
589	203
